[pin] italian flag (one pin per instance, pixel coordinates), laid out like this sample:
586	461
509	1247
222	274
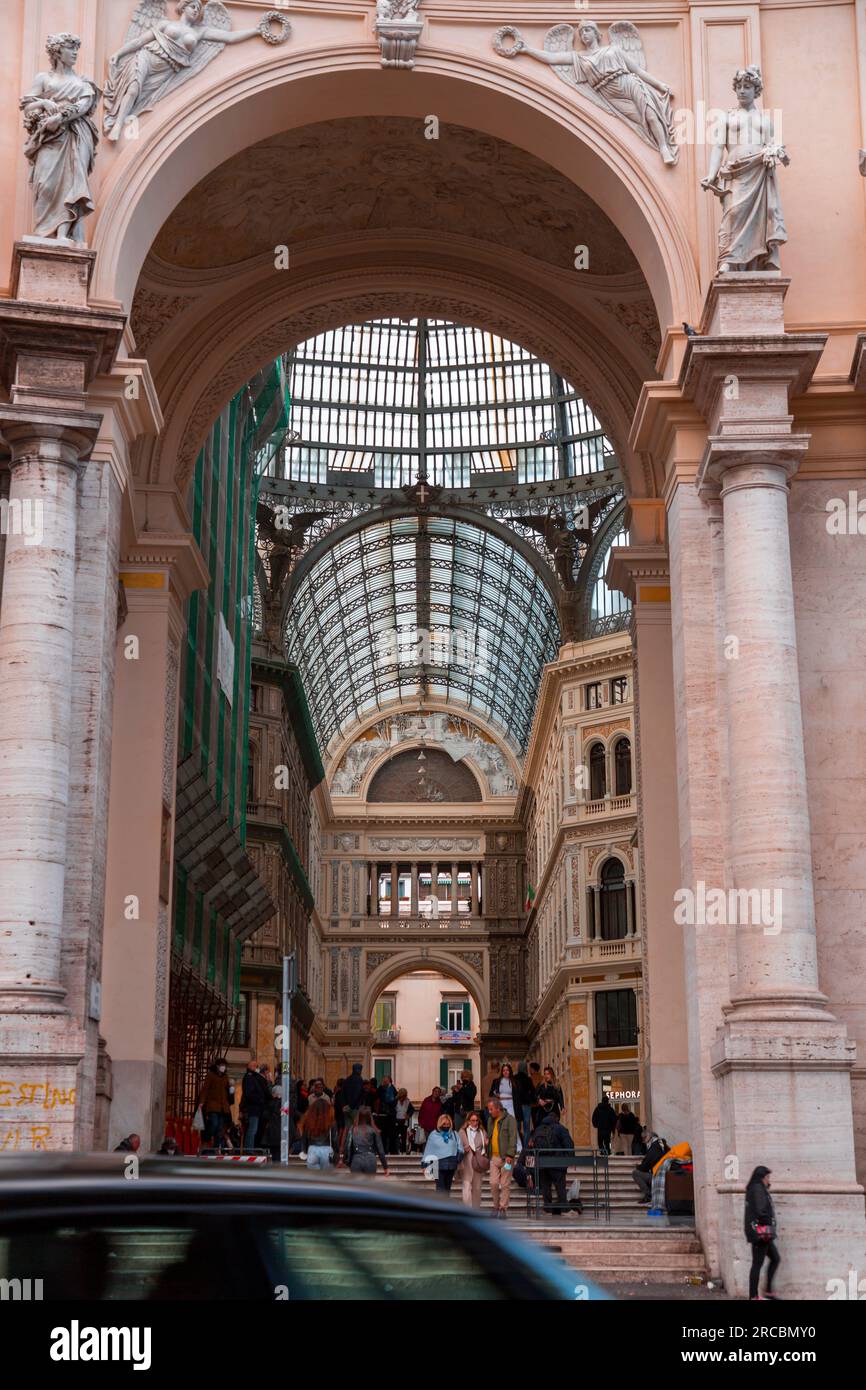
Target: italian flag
530	898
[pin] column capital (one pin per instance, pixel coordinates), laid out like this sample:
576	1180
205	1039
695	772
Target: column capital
174	555
637	570
753	459
63	436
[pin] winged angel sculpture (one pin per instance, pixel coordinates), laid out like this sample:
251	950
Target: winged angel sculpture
161	53
611	74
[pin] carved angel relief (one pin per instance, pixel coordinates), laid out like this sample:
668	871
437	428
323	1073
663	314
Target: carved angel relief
161	53
611	74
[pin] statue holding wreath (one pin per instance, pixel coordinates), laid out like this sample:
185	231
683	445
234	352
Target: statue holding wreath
611	74
161	53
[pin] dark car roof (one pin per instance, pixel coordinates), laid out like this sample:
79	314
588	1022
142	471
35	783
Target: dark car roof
36	1182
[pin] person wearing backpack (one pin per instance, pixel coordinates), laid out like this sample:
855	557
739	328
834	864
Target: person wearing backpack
549	1134
760	1227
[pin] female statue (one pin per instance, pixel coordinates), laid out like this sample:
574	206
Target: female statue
612	74
752	227
62	142
160	53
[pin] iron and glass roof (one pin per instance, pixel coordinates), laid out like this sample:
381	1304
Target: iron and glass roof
415	608
394	399
441	494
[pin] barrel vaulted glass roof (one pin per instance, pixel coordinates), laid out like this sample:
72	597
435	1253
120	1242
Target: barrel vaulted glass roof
427	604
422	607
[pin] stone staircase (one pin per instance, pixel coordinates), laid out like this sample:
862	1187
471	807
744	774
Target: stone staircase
623	1193
631	1248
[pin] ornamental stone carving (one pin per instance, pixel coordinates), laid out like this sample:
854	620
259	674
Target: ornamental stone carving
458	737
638	317
424	845
613	75
375	959
398	28
160	54
152	313
474	959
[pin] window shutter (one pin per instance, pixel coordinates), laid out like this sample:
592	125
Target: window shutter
466	1016
467	1063
443	1013
443	1072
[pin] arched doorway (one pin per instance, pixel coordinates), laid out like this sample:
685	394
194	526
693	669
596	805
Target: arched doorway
425	1032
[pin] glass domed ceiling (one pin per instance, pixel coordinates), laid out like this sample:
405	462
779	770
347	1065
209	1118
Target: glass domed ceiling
413	599
391	399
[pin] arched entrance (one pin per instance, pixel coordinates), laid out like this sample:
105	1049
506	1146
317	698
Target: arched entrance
134	427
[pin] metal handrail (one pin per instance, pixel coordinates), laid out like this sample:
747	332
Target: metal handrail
551	1159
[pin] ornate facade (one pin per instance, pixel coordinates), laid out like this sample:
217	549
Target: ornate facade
540	189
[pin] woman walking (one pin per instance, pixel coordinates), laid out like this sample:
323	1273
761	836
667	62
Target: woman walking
475	1161
364	1144
443	1150
215	1100
403	1112
760	1224
549	1095
318	1135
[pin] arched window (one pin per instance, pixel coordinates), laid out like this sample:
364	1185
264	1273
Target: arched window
614	921
597	779
622	766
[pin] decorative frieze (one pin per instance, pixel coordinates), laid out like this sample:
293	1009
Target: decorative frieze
425	844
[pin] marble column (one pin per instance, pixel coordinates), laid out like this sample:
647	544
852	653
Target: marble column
413	905
59	595
596	912
629	907
780	1059
395	891
455	905
36	646
475	870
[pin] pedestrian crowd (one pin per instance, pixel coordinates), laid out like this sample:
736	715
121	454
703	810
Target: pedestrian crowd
362	1122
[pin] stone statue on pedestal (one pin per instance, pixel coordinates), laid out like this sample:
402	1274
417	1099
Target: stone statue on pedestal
160	53
62	141
752	227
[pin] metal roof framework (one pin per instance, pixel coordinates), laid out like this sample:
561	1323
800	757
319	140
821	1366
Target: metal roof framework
433	524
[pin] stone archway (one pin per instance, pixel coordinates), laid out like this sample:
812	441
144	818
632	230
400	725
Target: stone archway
191	133
470	967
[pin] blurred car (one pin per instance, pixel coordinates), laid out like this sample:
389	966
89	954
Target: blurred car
190	1229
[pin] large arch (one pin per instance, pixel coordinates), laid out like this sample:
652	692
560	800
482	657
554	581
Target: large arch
404	961
208	366
191	133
